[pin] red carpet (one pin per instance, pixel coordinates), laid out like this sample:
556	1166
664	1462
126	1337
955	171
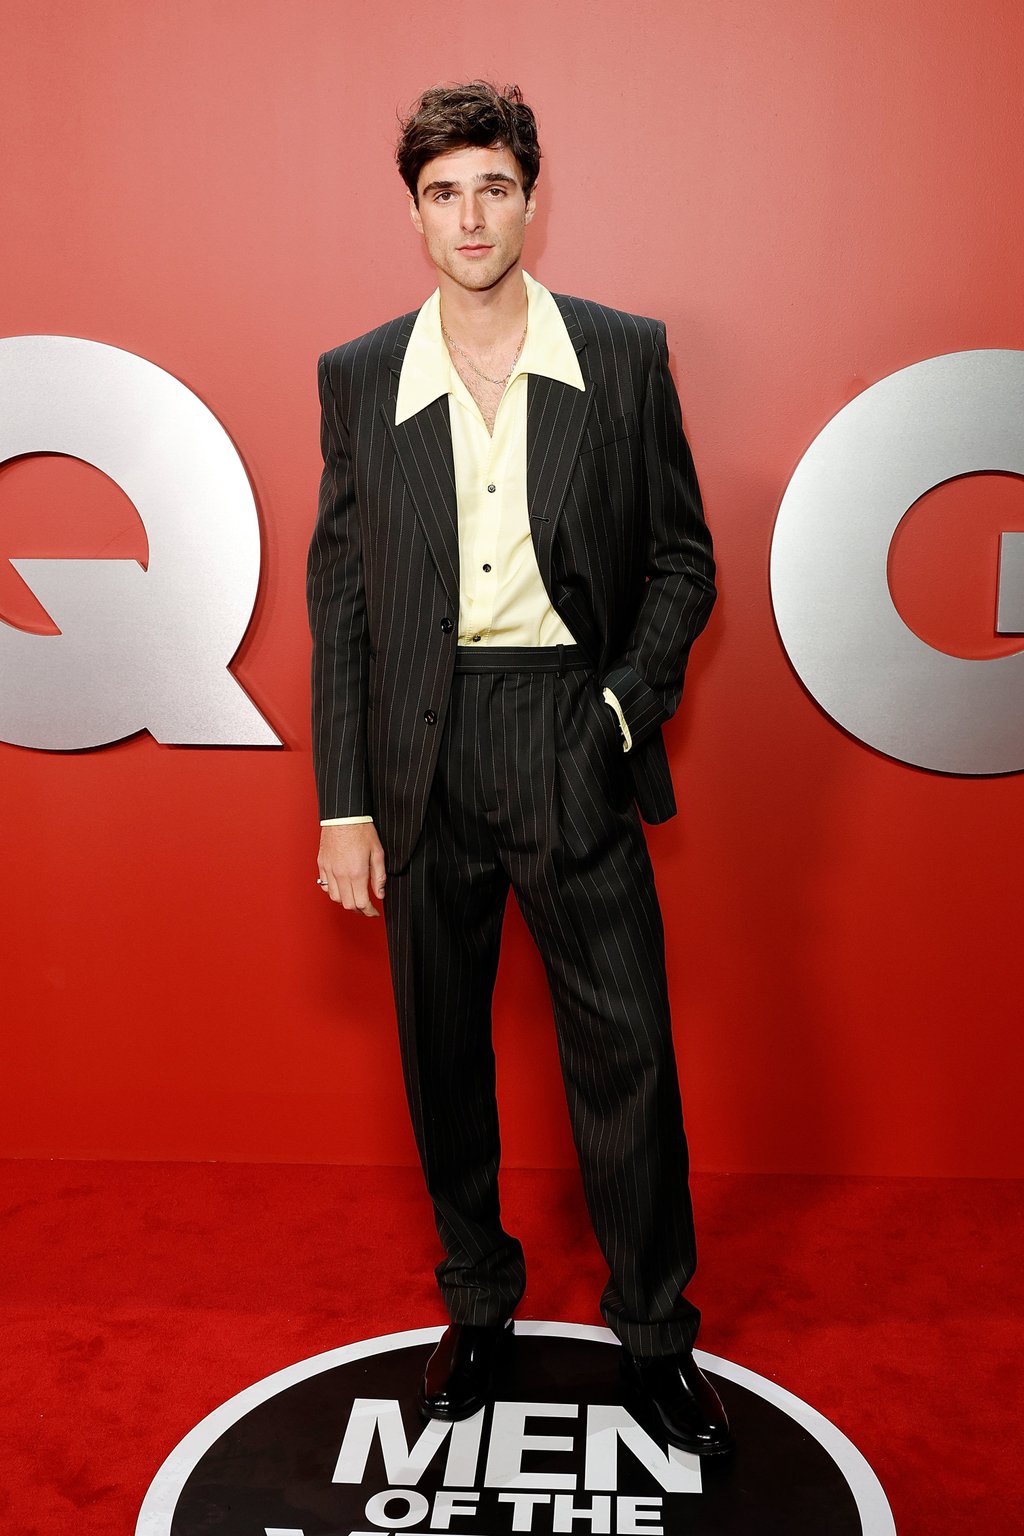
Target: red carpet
137	1296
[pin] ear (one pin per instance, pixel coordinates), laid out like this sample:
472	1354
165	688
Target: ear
414	213
531	206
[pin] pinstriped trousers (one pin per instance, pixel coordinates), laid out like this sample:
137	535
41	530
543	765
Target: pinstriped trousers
531	792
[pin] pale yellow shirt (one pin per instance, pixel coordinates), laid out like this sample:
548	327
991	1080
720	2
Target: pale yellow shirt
502	599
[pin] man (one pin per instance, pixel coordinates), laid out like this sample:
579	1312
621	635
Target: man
509	566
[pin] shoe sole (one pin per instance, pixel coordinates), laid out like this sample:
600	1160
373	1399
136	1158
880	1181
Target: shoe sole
426	1414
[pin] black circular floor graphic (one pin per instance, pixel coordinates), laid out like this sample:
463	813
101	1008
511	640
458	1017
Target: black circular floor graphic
333	1446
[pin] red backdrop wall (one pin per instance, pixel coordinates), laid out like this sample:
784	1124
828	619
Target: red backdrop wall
812	197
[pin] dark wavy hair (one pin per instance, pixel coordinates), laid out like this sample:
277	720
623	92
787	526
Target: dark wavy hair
473	115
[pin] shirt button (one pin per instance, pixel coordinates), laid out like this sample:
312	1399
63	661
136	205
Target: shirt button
492	487
446	625
476	637
486	567
429	716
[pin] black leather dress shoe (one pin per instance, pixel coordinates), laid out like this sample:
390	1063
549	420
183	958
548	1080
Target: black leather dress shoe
461	1372
675	1396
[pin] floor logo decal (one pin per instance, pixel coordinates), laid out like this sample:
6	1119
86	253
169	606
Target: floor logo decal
334	1446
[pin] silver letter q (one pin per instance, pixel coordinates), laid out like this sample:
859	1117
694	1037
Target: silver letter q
138	649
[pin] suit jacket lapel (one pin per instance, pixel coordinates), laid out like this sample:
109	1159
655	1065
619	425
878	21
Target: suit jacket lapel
556	415
423	444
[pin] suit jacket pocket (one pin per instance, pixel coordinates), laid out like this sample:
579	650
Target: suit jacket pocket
602	431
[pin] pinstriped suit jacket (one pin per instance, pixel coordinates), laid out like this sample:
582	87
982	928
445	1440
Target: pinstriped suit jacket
618	527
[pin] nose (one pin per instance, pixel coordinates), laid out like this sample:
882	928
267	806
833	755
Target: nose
472	217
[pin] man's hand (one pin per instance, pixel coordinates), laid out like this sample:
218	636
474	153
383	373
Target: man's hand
351	862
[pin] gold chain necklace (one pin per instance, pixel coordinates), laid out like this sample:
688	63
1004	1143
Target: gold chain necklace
479	371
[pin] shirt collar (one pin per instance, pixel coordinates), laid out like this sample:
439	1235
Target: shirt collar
427	368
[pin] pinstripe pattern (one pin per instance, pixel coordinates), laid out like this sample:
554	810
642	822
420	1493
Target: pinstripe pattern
530	793
621	543
481	781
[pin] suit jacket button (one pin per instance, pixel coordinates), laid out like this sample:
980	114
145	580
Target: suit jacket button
446	625
429	716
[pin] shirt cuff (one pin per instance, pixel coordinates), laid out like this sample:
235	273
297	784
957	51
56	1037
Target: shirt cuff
609	698
344	821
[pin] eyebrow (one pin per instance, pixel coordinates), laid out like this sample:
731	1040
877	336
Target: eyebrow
483	179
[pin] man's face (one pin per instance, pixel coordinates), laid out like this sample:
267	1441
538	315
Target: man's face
472	214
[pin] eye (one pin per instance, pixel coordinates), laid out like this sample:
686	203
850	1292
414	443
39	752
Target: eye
442	197
498	191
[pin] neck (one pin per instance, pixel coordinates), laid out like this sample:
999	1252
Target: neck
479	317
